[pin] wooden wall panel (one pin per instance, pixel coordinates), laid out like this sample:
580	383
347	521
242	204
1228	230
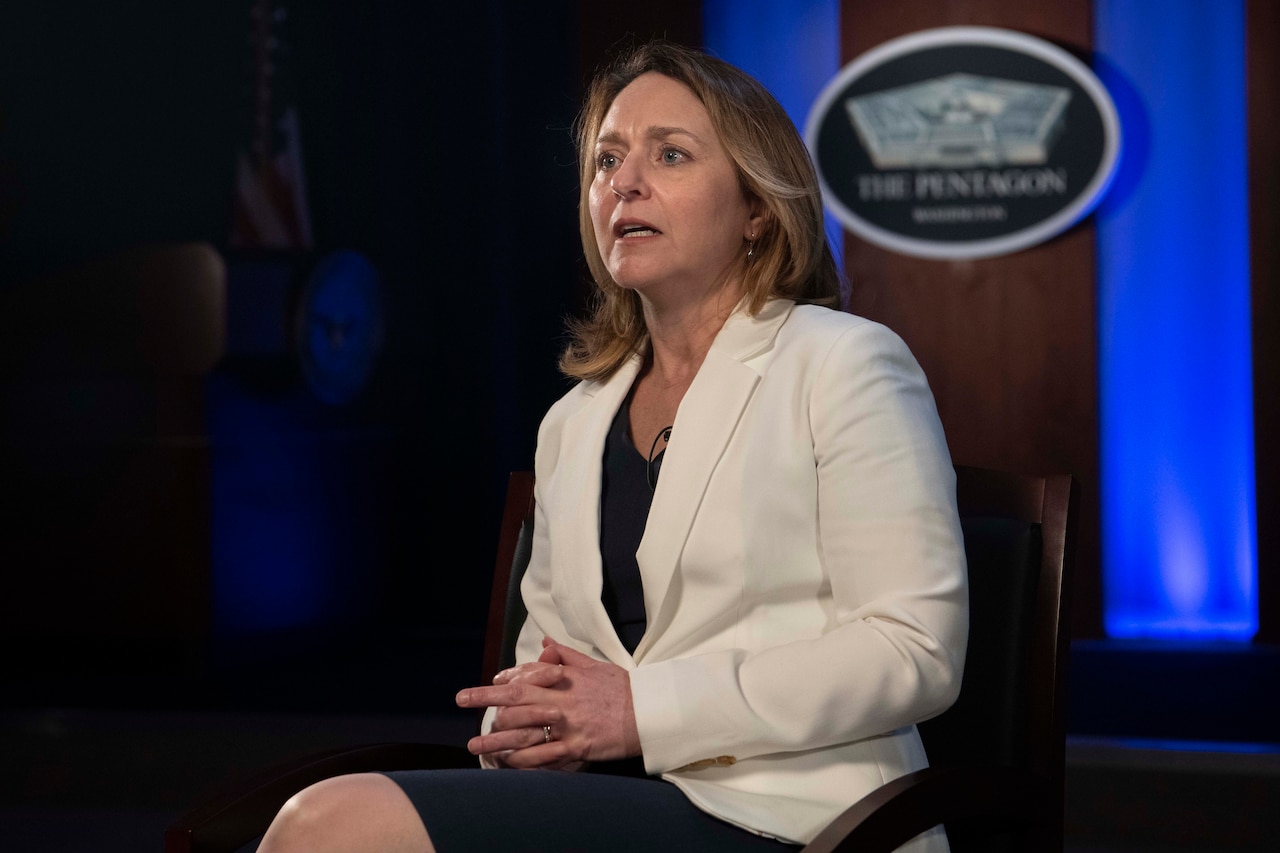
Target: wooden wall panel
1009	343
1262	34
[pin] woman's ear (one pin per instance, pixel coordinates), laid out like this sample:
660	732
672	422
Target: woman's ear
756	221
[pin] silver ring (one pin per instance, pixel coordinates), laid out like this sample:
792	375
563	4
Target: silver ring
546	734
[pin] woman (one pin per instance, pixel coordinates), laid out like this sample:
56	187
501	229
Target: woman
747	582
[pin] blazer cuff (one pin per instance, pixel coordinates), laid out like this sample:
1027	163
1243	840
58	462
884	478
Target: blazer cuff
687	712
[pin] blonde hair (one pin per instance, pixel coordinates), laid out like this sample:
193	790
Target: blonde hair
790	257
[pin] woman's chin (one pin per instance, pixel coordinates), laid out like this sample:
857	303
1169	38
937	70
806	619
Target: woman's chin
637	281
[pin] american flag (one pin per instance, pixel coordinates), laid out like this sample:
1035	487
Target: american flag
270	208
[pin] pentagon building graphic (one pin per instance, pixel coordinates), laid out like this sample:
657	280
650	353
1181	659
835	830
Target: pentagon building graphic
959	121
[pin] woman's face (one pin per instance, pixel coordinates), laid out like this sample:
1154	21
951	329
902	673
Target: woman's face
669	215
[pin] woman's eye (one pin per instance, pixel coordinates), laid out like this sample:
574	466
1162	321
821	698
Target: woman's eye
607	161
671	155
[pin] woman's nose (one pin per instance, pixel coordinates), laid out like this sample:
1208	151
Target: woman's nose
628	180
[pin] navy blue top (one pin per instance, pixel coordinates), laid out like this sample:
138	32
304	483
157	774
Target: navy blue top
625	497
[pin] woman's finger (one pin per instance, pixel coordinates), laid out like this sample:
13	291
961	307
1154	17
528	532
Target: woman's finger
553	652
516	741
513	693
548	756
541	674
526	716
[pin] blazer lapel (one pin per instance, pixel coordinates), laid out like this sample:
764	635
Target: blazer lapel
705	422
579	575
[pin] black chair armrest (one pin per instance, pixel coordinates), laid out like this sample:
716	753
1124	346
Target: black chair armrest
900	810
242	811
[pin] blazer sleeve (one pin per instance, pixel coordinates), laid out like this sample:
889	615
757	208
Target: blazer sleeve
889	542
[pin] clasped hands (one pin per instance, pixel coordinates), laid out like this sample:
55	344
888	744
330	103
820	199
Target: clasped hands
585	702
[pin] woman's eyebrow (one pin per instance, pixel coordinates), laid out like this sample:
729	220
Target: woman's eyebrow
655	132
666	132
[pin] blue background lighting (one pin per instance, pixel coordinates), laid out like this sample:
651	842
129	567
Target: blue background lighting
1175	391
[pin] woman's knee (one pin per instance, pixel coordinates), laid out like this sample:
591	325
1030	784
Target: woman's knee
360	812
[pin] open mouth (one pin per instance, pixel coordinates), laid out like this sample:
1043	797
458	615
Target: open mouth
637	230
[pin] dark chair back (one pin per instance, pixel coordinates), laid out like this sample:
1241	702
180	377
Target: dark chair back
1011	709
1028	574
506	607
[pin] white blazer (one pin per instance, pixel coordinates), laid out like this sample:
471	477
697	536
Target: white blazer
803	567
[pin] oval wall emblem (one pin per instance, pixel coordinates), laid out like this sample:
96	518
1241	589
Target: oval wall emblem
963	142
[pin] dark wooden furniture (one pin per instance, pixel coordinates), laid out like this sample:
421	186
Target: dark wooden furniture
107	464
997	755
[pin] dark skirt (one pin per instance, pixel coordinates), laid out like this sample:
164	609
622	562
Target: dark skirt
550	810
